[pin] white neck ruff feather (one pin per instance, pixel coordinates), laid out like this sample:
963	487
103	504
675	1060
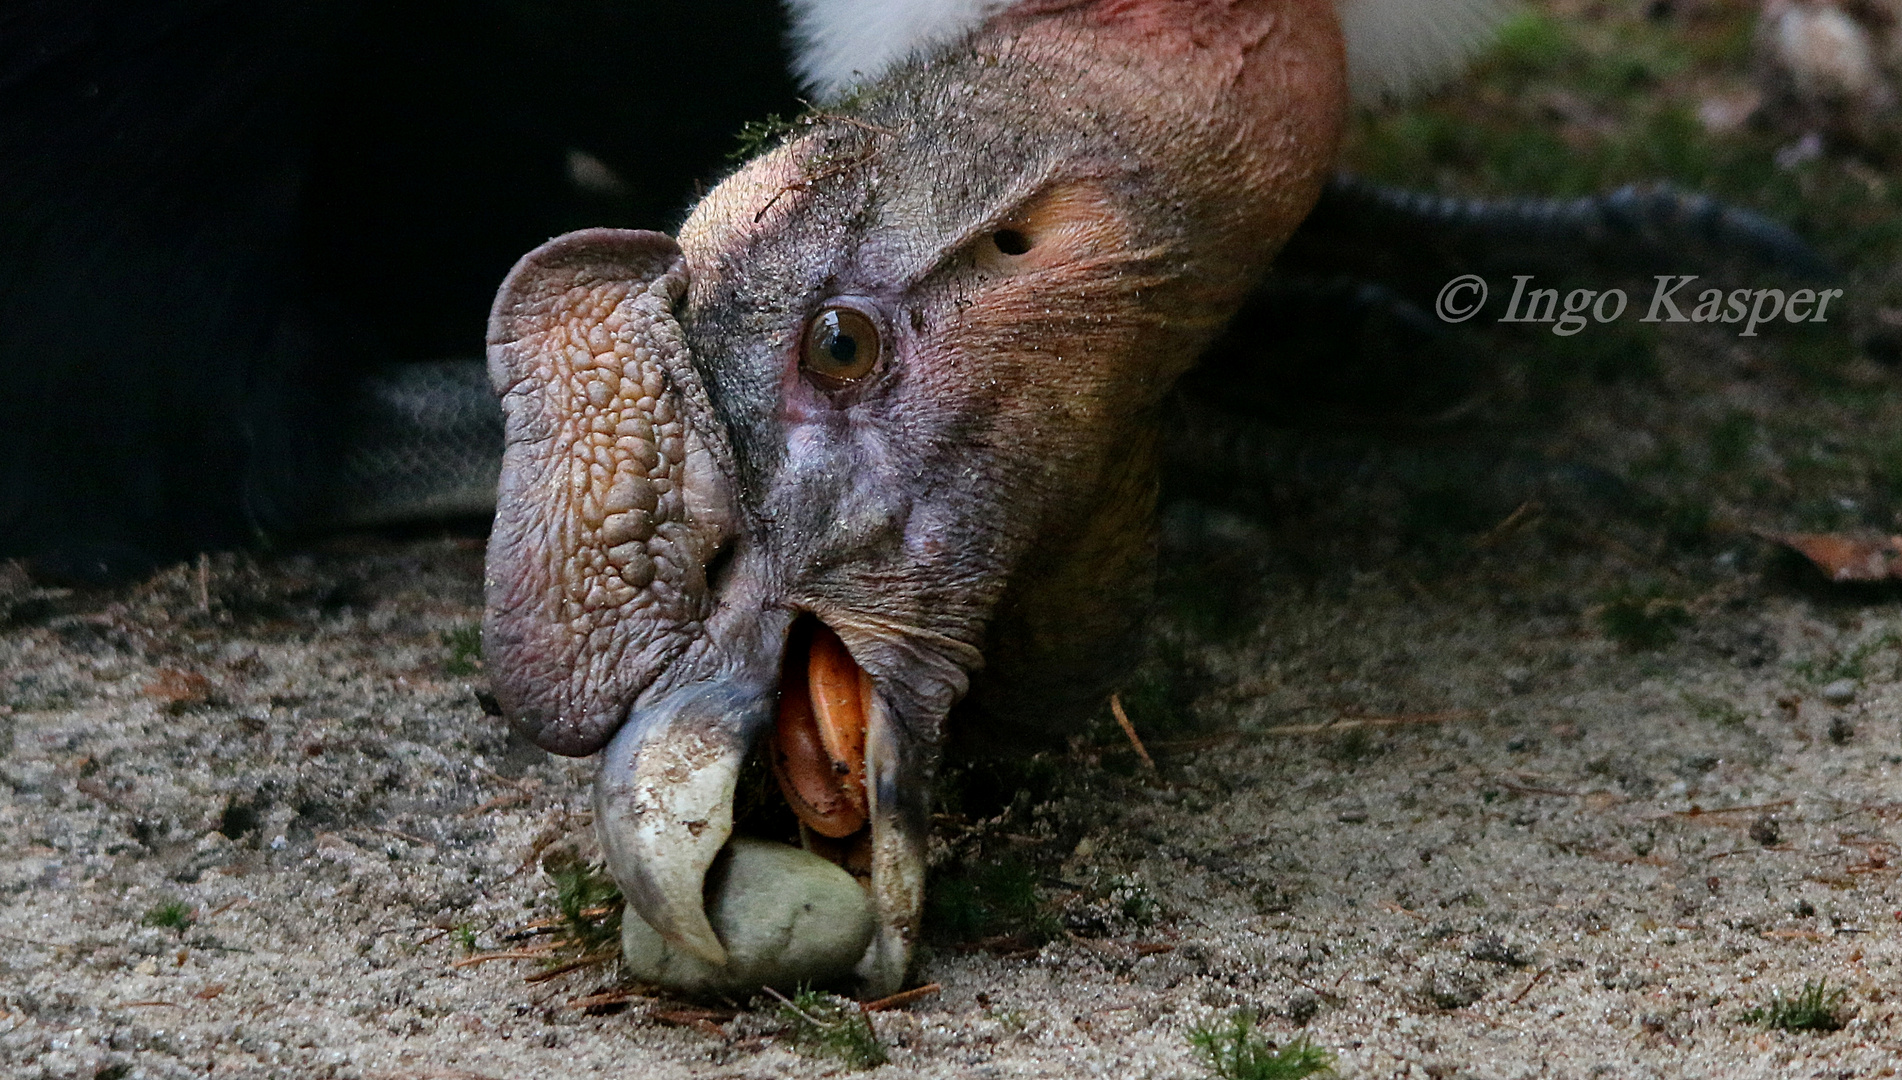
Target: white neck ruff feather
1394	47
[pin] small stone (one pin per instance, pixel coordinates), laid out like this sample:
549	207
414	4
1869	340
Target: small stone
1302	1007
1840	692
787	918
1841	730
1453	990
1493	949
1766	831
1352	816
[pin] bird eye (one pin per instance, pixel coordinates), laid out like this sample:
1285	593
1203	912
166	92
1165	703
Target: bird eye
842	346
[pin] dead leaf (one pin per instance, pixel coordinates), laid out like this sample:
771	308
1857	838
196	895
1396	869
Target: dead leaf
1844	557
179	689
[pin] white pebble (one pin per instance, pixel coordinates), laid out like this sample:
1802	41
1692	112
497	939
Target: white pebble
787	918
1840	692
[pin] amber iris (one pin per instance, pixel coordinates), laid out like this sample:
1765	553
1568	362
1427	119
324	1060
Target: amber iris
842	346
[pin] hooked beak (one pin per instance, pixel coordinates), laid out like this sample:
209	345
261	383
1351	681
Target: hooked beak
663	802
664	811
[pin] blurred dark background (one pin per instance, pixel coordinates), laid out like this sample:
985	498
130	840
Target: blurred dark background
215	216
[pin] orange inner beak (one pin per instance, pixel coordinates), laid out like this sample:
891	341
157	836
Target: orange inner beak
818	751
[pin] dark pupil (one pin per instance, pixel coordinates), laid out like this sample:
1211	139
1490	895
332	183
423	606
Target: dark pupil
841	346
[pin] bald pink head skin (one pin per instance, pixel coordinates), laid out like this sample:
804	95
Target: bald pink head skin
1155	156
1045	226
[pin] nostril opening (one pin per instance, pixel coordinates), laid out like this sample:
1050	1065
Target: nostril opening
1011	241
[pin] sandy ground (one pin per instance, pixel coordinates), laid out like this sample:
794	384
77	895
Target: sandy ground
1580	860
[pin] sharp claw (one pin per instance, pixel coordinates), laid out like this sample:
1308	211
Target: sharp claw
664	803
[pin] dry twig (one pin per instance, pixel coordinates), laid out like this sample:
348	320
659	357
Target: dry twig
1698	811
611	997
506	954
823	174
786	1001
398	834
1349	723
1536	979
1521	789
902	998
224	907
513	798
576	965
500	779
1129	729
1510	525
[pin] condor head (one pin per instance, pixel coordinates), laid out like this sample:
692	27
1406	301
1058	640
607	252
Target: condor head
866	461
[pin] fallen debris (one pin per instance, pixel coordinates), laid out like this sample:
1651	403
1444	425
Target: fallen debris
1845	556
902	998
1348	723
1129	729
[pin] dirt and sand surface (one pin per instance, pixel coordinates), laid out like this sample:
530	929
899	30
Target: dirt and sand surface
1533	838
1573	859
1504	746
